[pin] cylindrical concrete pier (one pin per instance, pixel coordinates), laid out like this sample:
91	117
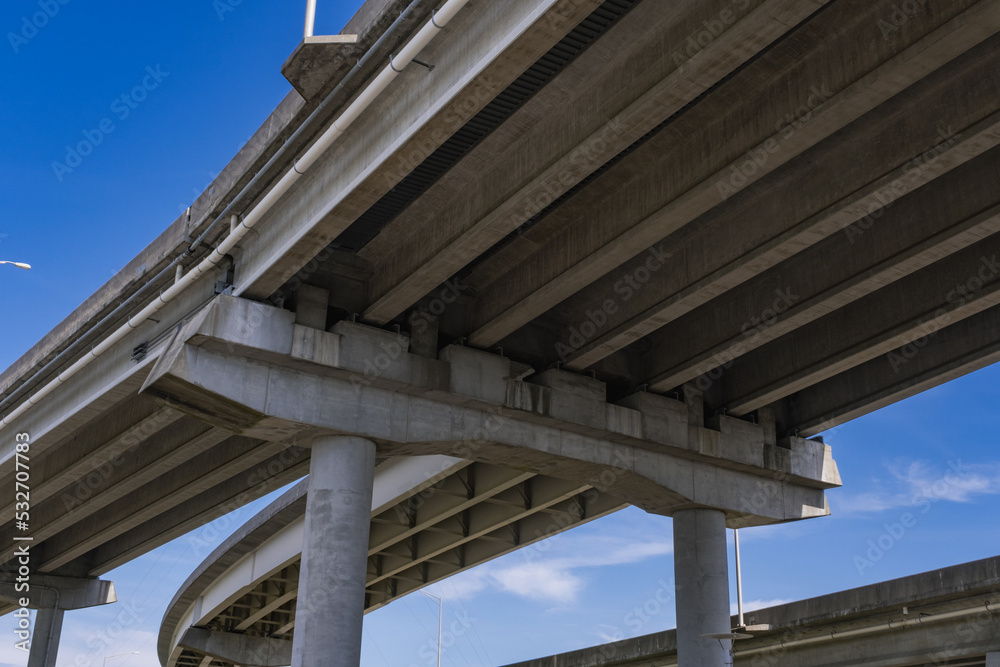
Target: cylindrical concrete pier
330	607
45	637
701	574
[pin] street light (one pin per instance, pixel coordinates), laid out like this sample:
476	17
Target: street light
112	657
20	265
440	617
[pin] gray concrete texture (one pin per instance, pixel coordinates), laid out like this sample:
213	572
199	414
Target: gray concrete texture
330	607
362	381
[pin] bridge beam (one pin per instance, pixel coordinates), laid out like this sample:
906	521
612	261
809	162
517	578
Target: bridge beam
52	596
288	381
239	649
331	604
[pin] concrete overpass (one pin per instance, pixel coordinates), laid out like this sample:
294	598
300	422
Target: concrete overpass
949	617
239	605
638	248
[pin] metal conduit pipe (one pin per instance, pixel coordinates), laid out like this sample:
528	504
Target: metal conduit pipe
310	18
317	112
227	212
340	125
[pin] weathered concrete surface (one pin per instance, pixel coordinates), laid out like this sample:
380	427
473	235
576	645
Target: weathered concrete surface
363	381
45	637
701	581
60	592
330	608
431	517
856	121
239	649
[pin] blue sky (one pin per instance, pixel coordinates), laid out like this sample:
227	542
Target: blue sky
209	73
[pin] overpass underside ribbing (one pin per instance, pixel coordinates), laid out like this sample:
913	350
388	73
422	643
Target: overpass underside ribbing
665	240
457	514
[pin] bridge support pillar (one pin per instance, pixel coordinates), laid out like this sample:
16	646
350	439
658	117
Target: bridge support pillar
45	637
331	602
701	573
993	660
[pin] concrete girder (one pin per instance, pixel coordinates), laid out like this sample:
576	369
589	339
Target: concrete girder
958	349
451	531
523	533
911	235
362	381
186	507
910	309
651	83
124	476
221	453
914	150
103	386
578	254
260	561
93	446
66	593
662	305
238	649
270	607
482	482
477	57
270	475
263	575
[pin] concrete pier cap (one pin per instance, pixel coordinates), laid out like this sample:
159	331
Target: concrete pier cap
282	381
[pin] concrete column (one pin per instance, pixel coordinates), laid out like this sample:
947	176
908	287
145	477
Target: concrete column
45	637
701	574
993	660
331	601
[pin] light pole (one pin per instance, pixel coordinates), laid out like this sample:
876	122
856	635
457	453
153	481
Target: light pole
440	617
20	265
112	657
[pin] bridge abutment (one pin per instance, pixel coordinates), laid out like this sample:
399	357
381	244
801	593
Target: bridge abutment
331	602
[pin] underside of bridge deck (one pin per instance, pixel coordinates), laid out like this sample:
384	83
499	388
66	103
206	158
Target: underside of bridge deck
689	234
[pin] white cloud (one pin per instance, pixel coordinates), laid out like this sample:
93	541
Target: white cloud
534	574
915	483
546	582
